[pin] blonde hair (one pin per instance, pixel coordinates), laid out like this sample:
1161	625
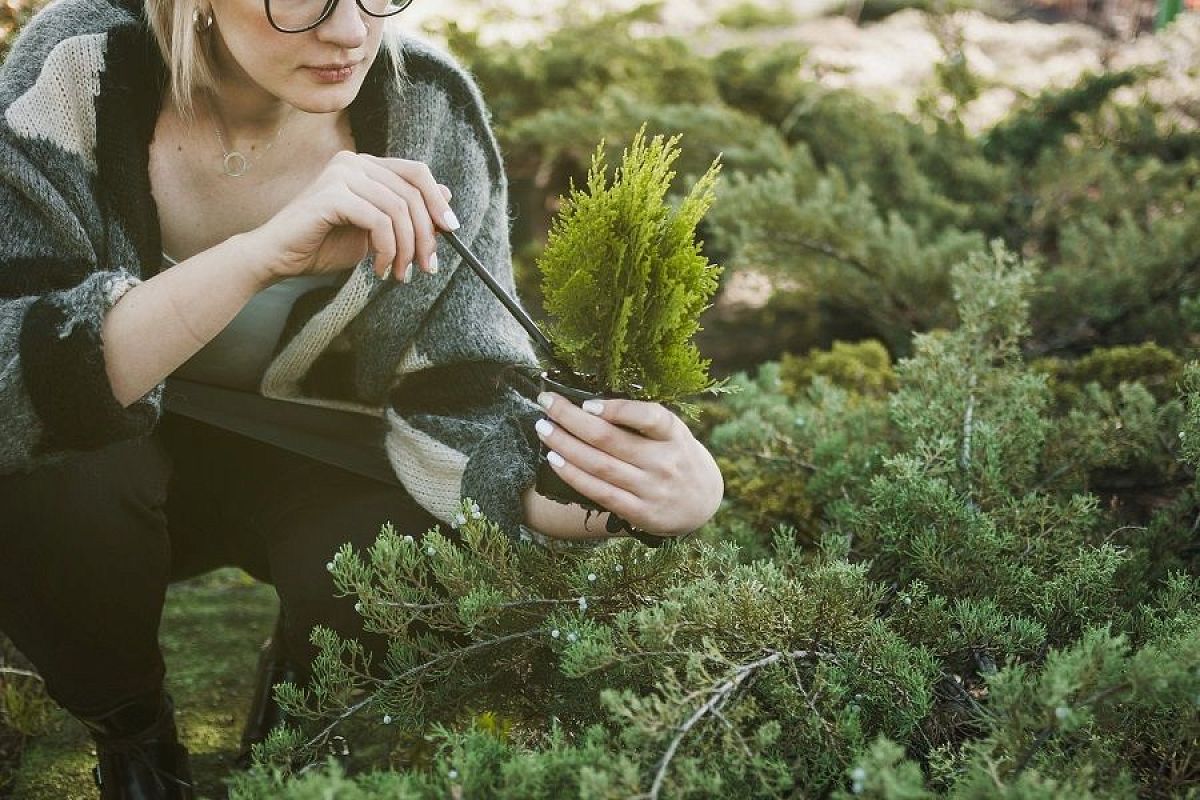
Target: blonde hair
188	53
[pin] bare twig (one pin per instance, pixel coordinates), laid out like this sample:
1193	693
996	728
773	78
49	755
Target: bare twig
964	460
323	735
1123	528
718	696
22	673
454	603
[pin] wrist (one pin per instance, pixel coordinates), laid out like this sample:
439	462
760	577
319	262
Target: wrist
562	521
255	258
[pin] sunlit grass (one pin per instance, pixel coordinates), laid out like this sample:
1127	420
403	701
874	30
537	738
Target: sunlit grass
211	632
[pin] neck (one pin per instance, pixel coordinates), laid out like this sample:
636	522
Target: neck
240	121
243	108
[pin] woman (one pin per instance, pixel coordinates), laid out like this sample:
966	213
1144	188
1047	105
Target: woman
247	200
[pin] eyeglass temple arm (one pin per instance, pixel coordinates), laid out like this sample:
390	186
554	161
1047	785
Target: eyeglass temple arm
504	297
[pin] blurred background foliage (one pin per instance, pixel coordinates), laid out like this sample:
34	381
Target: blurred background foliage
851	212
13	14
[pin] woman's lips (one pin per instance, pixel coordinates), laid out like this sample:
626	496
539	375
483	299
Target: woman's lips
332	75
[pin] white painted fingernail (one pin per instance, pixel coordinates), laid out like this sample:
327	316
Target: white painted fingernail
433	264
593	407
543	427
555	459
451	220
408	271
545	400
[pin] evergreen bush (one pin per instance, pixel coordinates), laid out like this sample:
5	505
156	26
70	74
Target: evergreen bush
968	606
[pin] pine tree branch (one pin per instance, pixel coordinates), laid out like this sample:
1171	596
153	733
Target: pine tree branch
1048	479
323	735
1045	733
1096	697
1088	331
718	697
900	306
820	248
1027	756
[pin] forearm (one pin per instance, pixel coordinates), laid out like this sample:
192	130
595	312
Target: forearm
559	521
162	322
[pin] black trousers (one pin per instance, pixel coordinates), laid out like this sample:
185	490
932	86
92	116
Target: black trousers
89	546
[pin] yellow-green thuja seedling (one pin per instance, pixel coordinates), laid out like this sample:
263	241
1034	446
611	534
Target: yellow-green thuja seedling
625	280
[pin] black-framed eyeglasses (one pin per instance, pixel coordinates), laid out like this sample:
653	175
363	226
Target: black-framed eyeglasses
298	16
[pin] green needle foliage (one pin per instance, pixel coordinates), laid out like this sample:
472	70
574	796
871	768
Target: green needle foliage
976	606
625	280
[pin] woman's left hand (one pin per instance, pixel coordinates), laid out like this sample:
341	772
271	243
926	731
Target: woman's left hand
657	476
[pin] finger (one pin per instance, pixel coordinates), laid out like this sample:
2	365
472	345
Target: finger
599	433
418	174
425	242
599	491
449	195
589	459
649	419
351	209
424	234
396	208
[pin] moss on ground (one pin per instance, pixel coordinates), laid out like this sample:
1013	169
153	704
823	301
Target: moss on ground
211	632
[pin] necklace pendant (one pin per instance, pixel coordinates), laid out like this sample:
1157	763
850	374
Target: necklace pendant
236	164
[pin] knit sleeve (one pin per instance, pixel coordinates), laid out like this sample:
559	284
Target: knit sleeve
54	389
461	411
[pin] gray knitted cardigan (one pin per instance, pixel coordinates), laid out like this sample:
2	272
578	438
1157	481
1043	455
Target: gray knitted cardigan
439	362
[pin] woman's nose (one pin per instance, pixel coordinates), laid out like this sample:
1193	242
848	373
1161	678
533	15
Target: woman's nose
345	27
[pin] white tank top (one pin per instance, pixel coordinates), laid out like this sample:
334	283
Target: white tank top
239	355
219	386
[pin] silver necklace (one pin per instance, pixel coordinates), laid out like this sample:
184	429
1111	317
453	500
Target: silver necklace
235	163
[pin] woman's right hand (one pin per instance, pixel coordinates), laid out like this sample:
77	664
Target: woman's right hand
358	204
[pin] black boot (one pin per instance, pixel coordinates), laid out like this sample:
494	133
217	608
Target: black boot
139	752
274	667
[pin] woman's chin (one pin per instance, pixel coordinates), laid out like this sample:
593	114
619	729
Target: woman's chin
322	92
325	101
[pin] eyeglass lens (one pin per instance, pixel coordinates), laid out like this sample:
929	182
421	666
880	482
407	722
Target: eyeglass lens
298	15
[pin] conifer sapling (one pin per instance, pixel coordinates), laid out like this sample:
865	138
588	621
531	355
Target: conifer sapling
625	280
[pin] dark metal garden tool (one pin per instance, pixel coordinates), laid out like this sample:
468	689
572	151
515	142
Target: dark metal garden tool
543	343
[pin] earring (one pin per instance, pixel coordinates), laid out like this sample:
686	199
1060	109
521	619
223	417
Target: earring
202	22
